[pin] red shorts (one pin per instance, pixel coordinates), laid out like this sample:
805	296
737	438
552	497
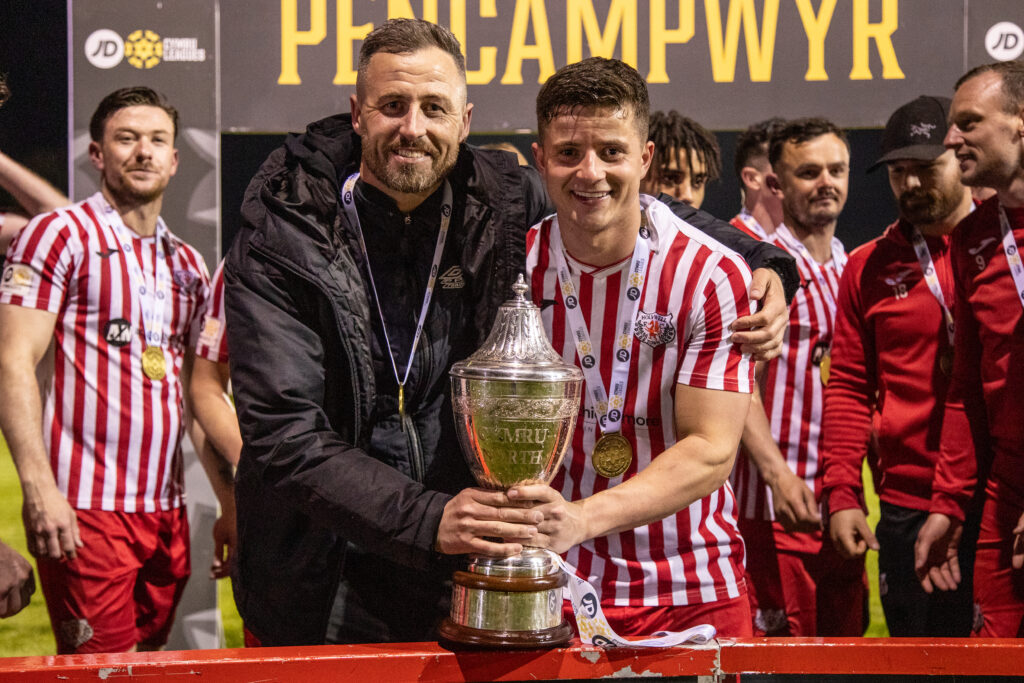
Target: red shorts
730	617
798	593
998	587
122	588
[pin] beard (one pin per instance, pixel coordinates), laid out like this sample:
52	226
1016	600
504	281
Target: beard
921	207
408	178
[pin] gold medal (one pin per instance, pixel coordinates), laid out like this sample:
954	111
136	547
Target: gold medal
825	367
612	455
946	362
153	363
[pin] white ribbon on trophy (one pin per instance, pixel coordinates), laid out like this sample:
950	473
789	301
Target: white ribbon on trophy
594	628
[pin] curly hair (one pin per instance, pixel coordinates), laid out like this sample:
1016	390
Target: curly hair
672	133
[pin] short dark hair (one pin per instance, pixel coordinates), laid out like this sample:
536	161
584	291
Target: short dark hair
400	36
672	133
594	82
135	96
4	90
1012	73
799	131
753	142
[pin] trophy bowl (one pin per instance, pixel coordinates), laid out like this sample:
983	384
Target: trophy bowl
515	403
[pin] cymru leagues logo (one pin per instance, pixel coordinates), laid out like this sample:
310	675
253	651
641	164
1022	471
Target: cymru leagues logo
654	329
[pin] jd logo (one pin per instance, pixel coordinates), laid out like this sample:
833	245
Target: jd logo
1004	41
104	49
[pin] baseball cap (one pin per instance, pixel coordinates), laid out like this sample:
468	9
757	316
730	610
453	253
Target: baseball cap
915	131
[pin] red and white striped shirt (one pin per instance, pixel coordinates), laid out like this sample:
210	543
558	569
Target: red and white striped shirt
213	342
793	388
694	289
746	222
113	434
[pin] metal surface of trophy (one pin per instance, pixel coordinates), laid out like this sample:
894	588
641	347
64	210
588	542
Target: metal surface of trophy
515	403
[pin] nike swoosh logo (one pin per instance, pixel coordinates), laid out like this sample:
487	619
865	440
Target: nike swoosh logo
108	253
545	303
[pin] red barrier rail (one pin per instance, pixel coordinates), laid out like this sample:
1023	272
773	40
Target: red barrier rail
430	662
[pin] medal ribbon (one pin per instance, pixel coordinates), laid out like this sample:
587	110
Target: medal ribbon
924	257
1012	254
594	629
152	290
348	201
609	409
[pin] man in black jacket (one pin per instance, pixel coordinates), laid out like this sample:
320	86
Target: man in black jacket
348	298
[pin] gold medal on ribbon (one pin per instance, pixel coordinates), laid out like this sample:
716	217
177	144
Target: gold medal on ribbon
825	367
946	362
612	455
153	363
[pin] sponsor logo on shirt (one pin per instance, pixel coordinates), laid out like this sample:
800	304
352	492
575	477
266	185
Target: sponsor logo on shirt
654	329
118	332
17	280
452	278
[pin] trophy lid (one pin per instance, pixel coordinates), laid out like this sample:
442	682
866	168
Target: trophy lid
517	348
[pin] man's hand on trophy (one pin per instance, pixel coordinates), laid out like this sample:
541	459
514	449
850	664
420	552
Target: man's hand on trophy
484	522
564	523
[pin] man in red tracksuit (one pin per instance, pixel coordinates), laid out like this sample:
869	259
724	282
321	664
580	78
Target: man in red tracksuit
986	133
892	355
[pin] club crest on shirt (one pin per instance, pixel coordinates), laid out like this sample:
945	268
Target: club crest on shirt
654	329
186	279
17	279
118	332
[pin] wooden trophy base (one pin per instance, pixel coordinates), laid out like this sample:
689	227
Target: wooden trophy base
466	636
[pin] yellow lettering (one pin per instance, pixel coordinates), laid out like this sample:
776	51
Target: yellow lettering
581	17
723	44
529	12
292	37
402	9
661	35
816	28
347	35
488	55
881	33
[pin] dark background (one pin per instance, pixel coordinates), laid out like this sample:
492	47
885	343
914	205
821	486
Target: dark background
33	130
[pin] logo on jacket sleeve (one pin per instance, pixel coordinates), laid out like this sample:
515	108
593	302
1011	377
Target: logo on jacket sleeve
654	329
17	279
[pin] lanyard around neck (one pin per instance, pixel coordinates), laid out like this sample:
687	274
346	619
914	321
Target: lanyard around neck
1012	254
152	291
931	278
608	405
348	201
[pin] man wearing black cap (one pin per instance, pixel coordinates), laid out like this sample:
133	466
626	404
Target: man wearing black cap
891	362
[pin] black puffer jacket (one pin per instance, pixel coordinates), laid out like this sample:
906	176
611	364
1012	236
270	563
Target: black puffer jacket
309	488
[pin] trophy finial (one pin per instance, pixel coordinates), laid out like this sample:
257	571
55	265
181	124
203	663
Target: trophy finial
520	288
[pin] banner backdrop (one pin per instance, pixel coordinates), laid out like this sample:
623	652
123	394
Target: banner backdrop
170	46
725	63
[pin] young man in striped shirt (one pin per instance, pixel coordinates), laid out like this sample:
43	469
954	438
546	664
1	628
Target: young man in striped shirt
118	297
642	302
801	587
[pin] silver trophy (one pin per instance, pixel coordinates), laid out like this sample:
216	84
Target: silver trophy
515	403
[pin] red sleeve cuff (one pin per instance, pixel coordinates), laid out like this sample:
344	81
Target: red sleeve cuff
948	505
844	498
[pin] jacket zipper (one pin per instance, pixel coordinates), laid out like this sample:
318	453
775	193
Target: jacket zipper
356	419
418	467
